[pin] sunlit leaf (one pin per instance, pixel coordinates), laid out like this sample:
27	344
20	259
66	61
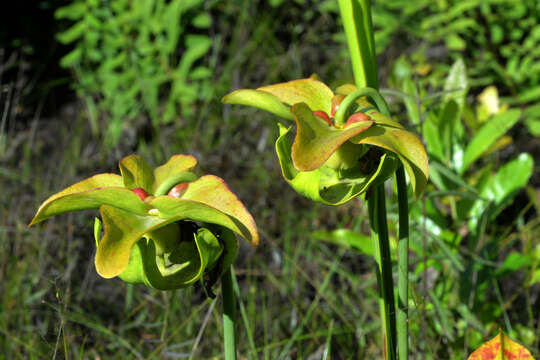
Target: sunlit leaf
136	173
488	135
501	347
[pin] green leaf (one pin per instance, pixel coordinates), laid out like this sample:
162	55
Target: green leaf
313	92
136	173
456	84
406	146
315	140
488	135
513	262
502	187
260	100
90	194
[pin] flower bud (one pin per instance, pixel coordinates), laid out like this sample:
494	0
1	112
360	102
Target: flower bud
336	101
356	117
178	190
323	116
140	192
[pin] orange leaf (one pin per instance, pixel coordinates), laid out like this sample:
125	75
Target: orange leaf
501	347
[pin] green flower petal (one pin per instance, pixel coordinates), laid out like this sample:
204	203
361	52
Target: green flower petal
90	194
259	99
313	92
406	146
174	171
315	140
122	230
326	185
197	210
136	173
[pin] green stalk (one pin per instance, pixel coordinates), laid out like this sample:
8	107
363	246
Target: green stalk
356	16
403	265
229	315
381	247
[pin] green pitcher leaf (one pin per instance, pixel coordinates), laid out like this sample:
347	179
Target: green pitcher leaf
175	169
81	197
315	140
310	91
212	191
136	173
179	209
404	144
134	271
122	230
488	135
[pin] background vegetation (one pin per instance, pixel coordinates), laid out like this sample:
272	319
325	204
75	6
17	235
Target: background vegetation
86	82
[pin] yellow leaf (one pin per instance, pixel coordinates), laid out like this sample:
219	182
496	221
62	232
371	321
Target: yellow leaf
501	347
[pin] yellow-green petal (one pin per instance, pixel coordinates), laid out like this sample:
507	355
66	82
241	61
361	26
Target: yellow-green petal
176	165
258	99
315	140
313	92
90	194
404	144
136	173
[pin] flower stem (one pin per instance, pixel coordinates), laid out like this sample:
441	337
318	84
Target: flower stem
403	265
356	16
381	246
229	315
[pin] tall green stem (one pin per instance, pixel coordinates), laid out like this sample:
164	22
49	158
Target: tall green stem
381	247
356	16
229	315
403	265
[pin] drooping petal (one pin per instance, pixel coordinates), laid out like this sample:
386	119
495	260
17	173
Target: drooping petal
136	173
326	185
122	230
406	146
259	99
90	194
315	140
313	92
174	172
211	202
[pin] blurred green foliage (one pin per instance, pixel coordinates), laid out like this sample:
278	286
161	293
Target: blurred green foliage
136	58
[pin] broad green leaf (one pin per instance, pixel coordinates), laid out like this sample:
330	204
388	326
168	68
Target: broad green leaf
501	347
196	210
488	135
315	140
260	100
513	262
122	230
175	168
212	191
502	187
136	173
313	92
406	146
90	194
